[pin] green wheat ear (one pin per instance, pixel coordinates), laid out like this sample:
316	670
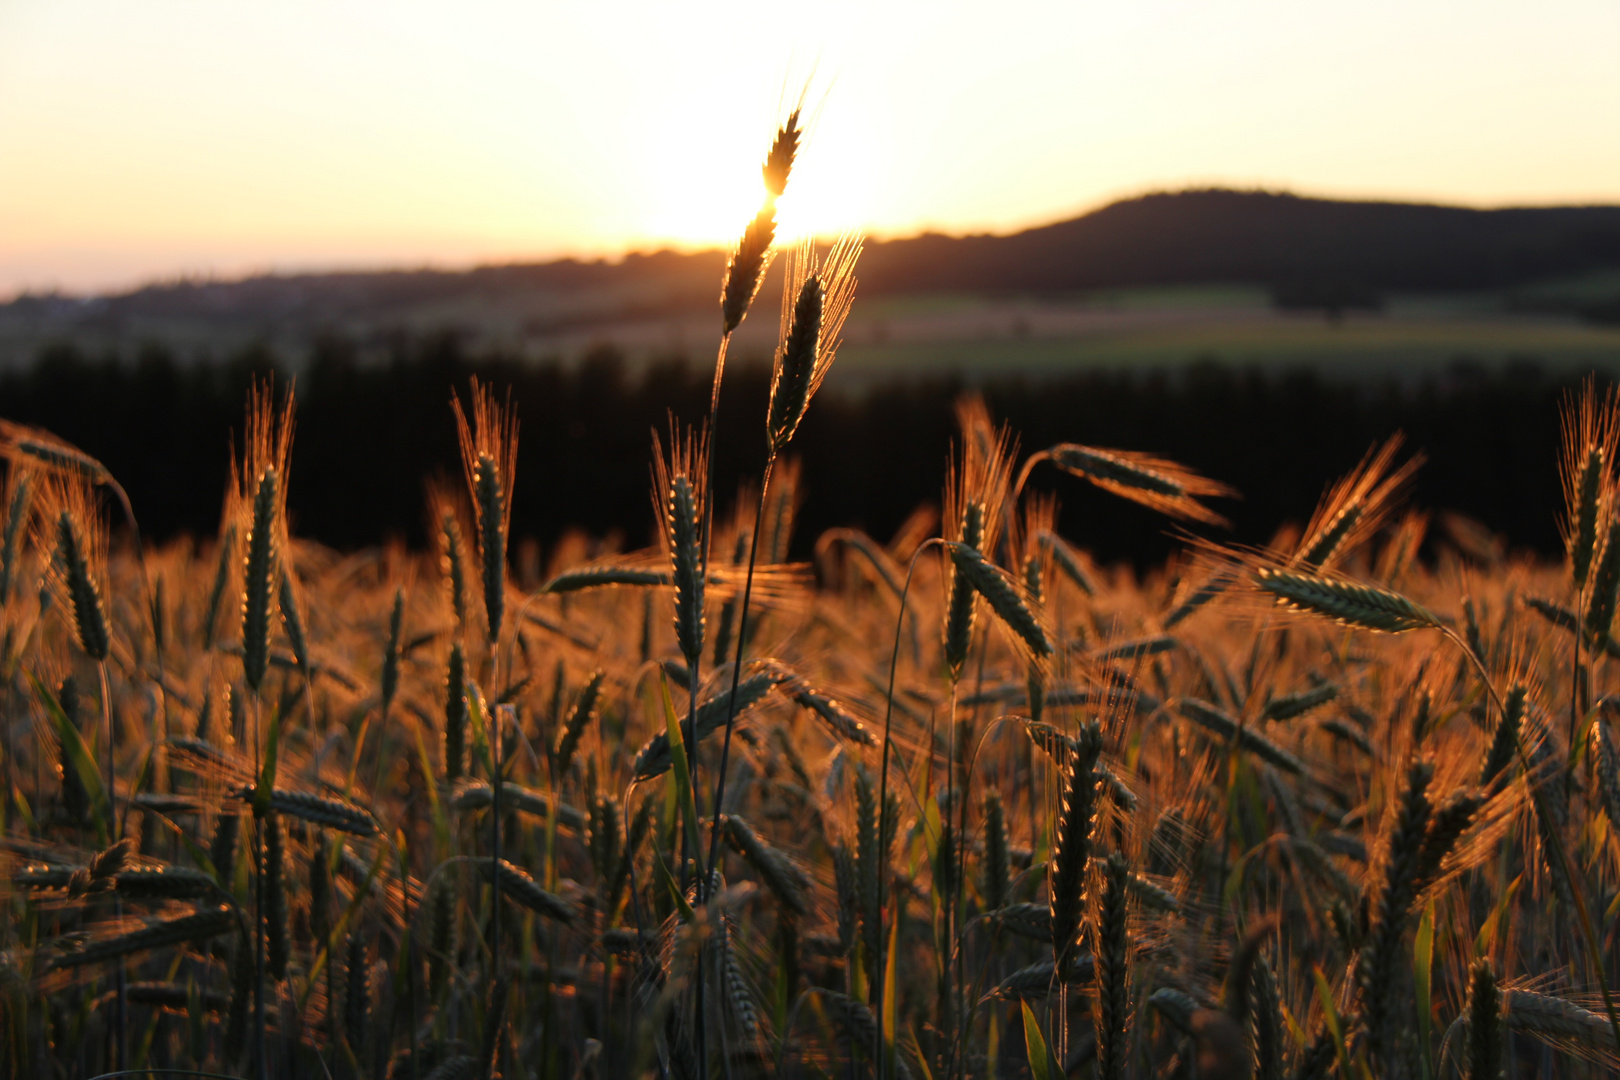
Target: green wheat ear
89	616
1113	971
1365	607
258	581
1484	1022
1072	852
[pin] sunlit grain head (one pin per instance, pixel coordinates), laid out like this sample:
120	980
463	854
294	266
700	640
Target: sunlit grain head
705	194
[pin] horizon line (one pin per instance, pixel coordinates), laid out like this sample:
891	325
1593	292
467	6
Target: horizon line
619	256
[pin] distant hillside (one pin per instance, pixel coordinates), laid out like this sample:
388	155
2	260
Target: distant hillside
1208	236
1296	246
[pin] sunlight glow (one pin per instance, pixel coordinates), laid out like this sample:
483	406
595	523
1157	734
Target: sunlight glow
170	137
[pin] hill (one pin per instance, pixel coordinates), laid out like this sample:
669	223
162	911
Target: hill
1263	238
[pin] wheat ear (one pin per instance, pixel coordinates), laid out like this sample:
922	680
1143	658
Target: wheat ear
1113	967
1485	1023
1363	606
1072	852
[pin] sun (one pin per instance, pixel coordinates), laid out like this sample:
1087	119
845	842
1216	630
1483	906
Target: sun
704	197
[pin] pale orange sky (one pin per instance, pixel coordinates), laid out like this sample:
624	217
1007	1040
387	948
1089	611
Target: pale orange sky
172	137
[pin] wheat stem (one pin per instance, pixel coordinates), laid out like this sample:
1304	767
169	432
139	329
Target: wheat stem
718	803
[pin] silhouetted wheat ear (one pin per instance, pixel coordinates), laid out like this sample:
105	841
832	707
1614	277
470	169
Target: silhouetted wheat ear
1583	515
148	883
1002	592
489	459
206	923
1590	423
579	718
1558	1022
1605	583
175	997
1113	965
781	875
331	813
1325	546
491	503
1072	851
89	616
779	162
454	1067
839	720
1289	706
1069	563
995	867
390	667
17	508
451	565
847	888
1365	607
816	301
1447	824
795	362
871	863
1155	482
1505	742
477	795
861	1027
1221	724
258	580
1267	1029
1032	921
516	884
293	621
1176	1006
1484	1023
746	268
1354	507
654	760
679	499
24	444
738	998
959	615
1376	965
1606	765
455	714
1213	586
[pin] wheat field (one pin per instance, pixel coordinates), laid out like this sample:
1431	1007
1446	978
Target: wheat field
953	803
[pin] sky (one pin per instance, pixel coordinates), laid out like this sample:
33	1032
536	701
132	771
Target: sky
166	138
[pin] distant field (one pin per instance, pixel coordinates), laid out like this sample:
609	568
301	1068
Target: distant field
1157	328
898	335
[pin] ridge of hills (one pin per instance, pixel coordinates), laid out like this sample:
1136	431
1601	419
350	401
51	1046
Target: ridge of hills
1166	238
1309	252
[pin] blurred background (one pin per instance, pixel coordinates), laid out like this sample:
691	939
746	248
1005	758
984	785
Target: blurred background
1252	236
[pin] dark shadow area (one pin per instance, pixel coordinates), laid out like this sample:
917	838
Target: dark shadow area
369	435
